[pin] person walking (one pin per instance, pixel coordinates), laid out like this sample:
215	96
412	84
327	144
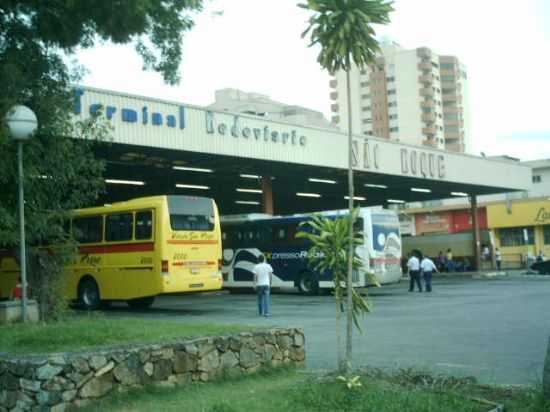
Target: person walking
414	272
498	258
263	276
428	267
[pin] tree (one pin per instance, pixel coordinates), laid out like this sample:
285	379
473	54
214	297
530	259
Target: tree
37	42
343	29
330	252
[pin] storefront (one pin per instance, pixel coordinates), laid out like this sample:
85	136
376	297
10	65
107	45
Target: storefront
521	229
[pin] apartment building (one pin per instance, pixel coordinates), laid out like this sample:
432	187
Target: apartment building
412	96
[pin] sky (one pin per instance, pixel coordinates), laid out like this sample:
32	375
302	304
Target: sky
255	46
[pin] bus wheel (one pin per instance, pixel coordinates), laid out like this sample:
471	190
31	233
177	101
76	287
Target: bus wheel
308	285
141	303
88	295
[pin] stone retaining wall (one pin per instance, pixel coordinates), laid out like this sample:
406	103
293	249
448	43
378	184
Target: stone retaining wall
59	381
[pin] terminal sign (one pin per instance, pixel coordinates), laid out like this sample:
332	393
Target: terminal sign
419	163
239	129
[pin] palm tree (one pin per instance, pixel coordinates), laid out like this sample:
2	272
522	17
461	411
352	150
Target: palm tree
343	29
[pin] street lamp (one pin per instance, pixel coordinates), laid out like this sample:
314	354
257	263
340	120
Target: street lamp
22	124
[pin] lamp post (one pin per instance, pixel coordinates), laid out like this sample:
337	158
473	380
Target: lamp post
22	124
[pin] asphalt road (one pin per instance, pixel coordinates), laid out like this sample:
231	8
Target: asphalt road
496	330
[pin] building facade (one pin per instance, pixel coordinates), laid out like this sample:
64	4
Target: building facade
256	104
413	96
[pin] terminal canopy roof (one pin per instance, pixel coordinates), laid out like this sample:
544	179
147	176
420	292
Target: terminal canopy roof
164	148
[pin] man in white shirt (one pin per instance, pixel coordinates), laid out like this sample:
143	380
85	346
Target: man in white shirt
428	267
263	274
414	272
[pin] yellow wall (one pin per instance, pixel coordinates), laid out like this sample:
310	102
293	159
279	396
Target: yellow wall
519	213
522	213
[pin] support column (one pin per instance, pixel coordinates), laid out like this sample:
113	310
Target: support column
475	229
267	195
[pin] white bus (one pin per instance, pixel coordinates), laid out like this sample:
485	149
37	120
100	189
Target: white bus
245	237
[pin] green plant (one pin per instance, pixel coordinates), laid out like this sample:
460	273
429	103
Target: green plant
343	29
329	253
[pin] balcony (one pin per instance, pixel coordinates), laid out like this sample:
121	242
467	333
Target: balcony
429	130
451	97
426	91
427	104
424	52
428	117
450	136
334	96
425	65
335	107
430	141
449	72
335	119
454	122
333	83
426	78
452	110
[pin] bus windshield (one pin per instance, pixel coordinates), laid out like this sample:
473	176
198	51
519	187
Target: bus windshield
191	213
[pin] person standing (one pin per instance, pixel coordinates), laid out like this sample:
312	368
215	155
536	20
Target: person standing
449	261
414	272
427	265
263	276
498	258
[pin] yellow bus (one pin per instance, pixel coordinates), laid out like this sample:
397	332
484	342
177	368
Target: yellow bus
138	249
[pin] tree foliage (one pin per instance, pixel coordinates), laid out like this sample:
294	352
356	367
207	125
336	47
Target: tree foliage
329	252
155	27
38	39
343	29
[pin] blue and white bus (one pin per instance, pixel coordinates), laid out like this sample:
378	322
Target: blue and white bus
245	237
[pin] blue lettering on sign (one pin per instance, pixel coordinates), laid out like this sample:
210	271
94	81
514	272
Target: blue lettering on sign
110	112
156	119
130	115
239	130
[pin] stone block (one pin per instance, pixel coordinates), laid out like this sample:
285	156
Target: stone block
248	358
162	369
97	361
68	396
8	398
97	387
80	365
184	362
148	368
28	385
105	369
299	339
47	371
10	311
209	362
9	382
229	360
128	372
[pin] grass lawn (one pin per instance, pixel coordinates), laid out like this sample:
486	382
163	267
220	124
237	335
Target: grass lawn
88	332
291	391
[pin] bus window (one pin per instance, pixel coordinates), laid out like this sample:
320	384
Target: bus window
144	225
88	229
119	227
358	225
279	234
191	213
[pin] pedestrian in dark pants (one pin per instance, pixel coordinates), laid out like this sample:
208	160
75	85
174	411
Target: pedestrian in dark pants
428	267
414	272
263	274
